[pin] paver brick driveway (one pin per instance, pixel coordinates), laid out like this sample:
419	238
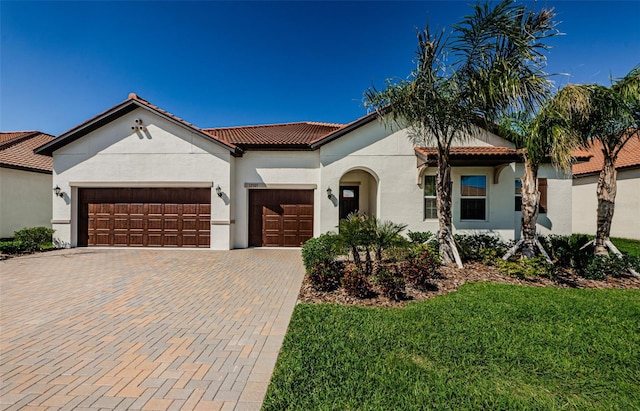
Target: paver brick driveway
143	329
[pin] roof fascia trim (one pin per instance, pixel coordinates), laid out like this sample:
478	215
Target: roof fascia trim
347	129
112	114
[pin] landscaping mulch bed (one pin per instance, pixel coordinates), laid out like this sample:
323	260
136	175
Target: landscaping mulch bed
451	278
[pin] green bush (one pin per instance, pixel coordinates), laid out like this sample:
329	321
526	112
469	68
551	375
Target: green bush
566	250
527	268
471	246
601	266
422	267
357	284
321	250
420	237
34	238
10	247
326	276
391	283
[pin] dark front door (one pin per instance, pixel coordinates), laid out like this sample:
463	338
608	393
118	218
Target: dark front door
349	198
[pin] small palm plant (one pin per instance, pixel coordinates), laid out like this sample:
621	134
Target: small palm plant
351	232
384	234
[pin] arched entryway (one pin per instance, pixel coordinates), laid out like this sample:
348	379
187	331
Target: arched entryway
358	192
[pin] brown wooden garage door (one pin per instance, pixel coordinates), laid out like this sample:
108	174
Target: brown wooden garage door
280	218
144	217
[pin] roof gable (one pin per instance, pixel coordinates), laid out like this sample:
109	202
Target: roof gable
17	151
119	110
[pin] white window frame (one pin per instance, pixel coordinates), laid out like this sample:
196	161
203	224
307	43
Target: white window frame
485	197
433	197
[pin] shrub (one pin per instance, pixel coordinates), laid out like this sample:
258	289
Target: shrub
10	247
356	284
321	250
34	238
527	268
420	237
392	284
566	250
422	267
326	276
612	265
470	246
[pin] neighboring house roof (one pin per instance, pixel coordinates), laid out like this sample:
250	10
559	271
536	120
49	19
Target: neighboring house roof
300	134
17	151
117	111
629	157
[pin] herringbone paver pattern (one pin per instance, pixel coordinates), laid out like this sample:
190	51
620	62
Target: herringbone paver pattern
88	329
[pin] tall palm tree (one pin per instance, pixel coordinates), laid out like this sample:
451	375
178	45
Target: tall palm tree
609	116
491	62
539	138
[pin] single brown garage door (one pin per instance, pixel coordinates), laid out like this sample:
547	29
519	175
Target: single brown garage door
144	217
280	218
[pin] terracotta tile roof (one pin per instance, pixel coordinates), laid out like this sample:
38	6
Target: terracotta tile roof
471	151
629	157
290	134
10	135
16	151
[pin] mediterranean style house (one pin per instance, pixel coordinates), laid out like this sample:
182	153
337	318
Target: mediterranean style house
25	182
136	175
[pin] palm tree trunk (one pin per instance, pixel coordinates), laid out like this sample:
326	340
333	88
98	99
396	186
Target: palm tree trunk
606	192
443	199
356	257
530	201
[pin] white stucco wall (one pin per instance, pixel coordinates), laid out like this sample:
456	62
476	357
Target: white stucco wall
163	155
275	170
25	200
626	221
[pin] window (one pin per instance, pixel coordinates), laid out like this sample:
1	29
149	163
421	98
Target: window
542	188
430	208
473	201
518	195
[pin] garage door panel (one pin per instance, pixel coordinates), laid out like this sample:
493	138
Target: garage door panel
120	239
103	239
154	209
281	218
137	209
170	224
151	217
136	239
136	223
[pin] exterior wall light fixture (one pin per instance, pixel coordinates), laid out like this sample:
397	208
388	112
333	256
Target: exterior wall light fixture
58	191
219	191
329	193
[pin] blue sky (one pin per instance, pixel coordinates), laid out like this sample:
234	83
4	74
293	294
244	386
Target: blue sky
238	63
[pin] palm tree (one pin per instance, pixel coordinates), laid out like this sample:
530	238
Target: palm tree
539	137
610	117
492	62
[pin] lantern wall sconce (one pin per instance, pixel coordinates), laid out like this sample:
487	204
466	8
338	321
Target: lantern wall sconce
219	191
58	191
329	192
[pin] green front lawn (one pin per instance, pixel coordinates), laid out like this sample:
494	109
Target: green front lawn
631	247
486	346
